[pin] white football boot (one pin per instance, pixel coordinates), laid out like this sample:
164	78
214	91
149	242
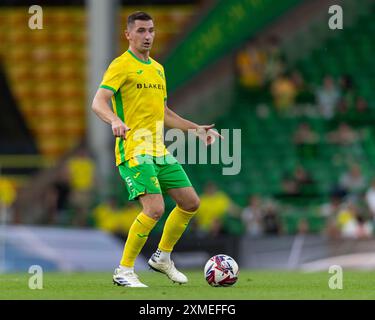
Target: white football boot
127	278
168	268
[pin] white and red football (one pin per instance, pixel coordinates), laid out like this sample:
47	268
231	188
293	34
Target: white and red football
221	271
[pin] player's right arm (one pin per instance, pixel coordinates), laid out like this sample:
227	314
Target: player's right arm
101	107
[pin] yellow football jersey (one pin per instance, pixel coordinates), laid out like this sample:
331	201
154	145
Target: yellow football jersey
140	91
81	170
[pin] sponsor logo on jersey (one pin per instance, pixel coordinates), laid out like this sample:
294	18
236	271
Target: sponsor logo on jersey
156	86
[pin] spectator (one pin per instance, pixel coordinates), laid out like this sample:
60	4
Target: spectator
289	186
284	93
352	181
299	184
370	199
327	98
306	140
104	213
332	208
330	211
361	106
57	198
252	216
346	217
344	135
81	169
250	65
304	180
347	142
111	218
364	228
304	94
214	205
347	99
298	81
8	194
352	224
271	220
305	135
301	176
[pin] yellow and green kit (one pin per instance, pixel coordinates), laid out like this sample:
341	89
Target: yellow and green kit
139	100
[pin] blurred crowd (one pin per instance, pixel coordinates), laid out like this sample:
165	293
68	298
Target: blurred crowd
349	213
218	214
261	67
262	71
68	198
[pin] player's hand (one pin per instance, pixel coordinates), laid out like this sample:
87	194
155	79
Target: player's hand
119	129
207	135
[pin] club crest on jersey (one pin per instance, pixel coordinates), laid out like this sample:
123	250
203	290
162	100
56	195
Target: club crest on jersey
160	73
155	181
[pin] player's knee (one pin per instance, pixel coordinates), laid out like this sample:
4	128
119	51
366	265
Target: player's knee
192	205
195	204
156	212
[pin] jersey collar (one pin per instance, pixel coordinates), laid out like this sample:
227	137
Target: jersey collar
135	57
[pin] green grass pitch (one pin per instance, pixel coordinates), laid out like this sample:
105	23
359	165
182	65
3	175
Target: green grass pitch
251	285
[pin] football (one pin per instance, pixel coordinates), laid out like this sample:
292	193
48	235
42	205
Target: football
221	271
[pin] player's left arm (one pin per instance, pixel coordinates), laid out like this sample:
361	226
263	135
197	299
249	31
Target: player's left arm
204	132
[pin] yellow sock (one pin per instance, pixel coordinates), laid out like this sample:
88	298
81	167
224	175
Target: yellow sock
174	227
138	234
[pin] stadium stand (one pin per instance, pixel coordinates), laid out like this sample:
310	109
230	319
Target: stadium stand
270	156
268	150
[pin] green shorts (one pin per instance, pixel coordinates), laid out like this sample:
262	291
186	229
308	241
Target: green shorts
148	174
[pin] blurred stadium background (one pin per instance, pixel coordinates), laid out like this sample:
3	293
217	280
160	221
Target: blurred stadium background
302	94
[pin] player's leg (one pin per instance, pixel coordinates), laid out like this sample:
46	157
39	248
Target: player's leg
142	184
174	180
187	204
153	209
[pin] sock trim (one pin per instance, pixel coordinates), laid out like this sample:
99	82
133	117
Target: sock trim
122	267
164	250
189	213
145	220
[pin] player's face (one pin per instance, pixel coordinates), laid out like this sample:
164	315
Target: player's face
141	35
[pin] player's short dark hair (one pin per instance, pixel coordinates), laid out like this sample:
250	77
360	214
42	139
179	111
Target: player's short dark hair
138	15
